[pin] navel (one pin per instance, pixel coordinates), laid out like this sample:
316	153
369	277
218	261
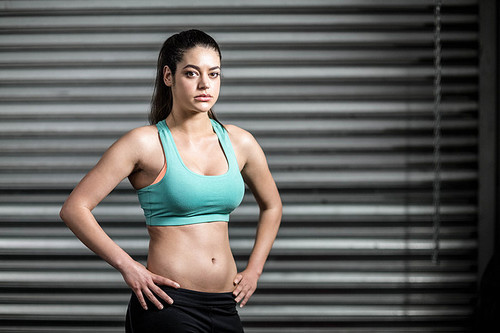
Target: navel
213	260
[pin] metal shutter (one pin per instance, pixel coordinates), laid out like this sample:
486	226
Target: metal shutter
338	93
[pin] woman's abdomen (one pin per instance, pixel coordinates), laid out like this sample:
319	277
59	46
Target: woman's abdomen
197	256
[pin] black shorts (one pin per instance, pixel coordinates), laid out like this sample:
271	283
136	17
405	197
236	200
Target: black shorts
192	311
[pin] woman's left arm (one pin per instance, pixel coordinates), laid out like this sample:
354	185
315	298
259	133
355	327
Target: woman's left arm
257	176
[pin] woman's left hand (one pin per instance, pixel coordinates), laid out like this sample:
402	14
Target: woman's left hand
245	285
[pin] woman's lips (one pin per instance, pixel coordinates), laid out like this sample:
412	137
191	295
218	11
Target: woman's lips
203	98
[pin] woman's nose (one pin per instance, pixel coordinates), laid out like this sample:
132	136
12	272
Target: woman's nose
204	82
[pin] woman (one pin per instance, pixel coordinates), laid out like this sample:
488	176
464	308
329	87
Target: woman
188	171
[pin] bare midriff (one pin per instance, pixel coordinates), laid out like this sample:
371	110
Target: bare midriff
197	256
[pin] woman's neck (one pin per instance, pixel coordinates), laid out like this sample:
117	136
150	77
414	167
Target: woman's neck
195	126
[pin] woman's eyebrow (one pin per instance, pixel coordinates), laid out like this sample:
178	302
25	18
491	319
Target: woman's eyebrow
198	68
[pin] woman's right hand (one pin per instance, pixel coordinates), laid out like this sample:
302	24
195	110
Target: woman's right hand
145	283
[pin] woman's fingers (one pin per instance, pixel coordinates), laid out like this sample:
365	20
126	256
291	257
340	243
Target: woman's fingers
242	293
238	290
158	291
140	298
149	294
246	283
145	285
237	279
152	298
248	294
153	290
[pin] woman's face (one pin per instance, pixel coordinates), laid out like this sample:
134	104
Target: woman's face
196	85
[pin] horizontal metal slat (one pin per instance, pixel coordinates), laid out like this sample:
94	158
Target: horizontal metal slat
297	246
233	57
250	93
156	21
285	180
320	160
153	39
292	197
324	298
51	5
281	313
270	280
299	73
402	209
232	111
95	145
276	127
383	264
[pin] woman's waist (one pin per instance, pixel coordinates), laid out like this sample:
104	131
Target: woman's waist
200	240
203	273
184	255
199	261
181	257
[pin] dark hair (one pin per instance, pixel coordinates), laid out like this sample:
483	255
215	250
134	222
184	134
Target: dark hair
171	54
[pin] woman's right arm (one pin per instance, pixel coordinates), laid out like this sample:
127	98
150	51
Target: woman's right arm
118	162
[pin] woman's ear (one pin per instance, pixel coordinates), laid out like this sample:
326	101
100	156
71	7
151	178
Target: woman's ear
167	76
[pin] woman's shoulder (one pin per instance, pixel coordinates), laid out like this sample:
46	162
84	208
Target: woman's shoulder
244	143
143	131
246	146
240	136
142	137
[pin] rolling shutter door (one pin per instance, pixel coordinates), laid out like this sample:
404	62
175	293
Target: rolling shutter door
339	95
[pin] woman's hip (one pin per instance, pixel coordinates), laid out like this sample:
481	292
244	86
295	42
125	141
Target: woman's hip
191	311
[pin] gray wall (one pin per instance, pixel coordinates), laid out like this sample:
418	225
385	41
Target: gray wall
338	93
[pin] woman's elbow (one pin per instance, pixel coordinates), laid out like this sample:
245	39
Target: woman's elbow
64	212
277	208
67	210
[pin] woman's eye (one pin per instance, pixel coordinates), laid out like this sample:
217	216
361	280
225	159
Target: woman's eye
190	74
214	75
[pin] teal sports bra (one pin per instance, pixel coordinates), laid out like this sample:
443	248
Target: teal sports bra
184	197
